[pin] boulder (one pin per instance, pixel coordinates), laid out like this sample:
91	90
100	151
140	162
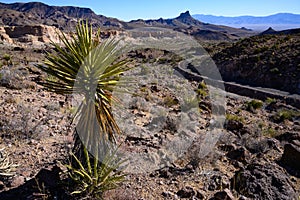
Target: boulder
223	195
291	157
186	192
263	181
240	154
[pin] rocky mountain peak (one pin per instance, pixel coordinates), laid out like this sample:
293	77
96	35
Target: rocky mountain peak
270	30
185	15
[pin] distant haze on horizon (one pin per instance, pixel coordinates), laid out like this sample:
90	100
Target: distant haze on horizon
127	10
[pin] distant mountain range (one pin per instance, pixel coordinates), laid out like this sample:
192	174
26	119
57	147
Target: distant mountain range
65	18
278	21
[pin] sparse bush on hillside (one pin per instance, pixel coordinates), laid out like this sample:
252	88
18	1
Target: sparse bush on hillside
189	102
8	59
270	132
275	70
284	114
270	100
170	101
253	105
202	90
234	118
15	78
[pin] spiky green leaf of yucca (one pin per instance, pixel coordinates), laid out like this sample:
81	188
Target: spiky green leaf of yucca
86	66
96	178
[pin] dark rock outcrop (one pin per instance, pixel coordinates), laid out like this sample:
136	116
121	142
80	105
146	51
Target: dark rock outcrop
291	157
263	181
223	195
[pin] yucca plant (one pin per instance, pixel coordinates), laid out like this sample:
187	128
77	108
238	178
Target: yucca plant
84	65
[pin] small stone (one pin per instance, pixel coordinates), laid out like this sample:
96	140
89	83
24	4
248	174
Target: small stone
167	194
165	173
32	141
17	181
200	195
224	195
240	154
243	198
186	192
2	185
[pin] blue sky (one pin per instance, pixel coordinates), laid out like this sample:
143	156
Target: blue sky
153	9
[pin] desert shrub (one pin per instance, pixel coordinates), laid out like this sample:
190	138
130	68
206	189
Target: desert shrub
170	101
270	100
275	70
270	132
13	78
253	105
202	90
230	117
7	58
93	178
284	114
189	102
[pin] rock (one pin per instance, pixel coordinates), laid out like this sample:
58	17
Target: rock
291	156
240	154
2	185
223	195
168	194
227	147
243	198
288	137
256	146
217	182
186	192
33	33
263	181
17	181
236	127
165	173
233	125
200	195
49	177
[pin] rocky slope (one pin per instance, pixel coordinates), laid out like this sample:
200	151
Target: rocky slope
269	60
29	34
64	17
255	156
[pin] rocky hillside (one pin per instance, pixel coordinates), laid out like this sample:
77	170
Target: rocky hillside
268	60
254	157
29	34
34	13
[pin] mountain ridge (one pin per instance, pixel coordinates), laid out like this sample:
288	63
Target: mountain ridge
66	17
59	16
278	20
